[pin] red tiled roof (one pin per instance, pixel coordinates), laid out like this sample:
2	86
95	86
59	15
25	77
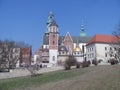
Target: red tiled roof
99	38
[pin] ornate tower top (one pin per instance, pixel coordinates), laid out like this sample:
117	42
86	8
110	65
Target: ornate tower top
82	34
50	18
50	22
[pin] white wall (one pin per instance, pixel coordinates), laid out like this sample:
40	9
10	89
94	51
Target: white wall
53	53
46	46
98	50
35	59
79	58
90	52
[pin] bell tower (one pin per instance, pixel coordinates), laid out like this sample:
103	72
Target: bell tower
52	30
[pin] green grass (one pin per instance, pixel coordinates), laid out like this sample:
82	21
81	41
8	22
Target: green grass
14	83
93	78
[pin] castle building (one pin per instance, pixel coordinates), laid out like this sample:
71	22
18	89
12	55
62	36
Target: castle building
103	48
55	49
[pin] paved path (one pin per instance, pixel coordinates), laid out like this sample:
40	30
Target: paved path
26	72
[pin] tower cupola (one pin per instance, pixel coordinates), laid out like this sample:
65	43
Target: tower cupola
50	22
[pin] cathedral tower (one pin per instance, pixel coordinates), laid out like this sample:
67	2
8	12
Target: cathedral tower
52	31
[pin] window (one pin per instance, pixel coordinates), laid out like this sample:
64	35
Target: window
53	36
92	54
105	54
83	48
53	29
53	42
92	48
115	48
45	61
53	58
59	53
105	48
110	48
68	47
88	49
110	55
88	55
115	55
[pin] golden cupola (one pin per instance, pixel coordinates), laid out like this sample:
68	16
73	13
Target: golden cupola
77	49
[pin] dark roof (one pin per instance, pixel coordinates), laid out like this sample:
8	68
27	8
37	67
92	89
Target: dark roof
61	38
80	39
75	39
53	24
45	40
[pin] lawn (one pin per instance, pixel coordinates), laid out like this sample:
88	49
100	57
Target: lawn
11	84
90	78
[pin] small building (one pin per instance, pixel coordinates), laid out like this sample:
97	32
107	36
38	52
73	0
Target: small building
26	53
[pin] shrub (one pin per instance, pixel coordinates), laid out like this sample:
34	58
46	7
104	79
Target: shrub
89	63
100	60
67	67
71	61
95	62
78	64
113	61
86	64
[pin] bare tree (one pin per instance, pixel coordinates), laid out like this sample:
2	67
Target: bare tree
117	33
9	54
115	46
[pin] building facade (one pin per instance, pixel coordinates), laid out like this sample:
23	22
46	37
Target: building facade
102	48
55	49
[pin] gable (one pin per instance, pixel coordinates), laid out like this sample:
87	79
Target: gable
68	38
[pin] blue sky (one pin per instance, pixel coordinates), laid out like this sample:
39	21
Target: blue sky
25	20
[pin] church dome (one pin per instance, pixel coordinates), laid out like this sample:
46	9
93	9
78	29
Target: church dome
77	49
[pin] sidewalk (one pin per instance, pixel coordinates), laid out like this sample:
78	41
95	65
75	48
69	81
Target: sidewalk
25	72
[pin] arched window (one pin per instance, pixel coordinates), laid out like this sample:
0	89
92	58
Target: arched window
53	58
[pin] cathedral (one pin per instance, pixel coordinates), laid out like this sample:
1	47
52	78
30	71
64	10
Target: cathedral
55	49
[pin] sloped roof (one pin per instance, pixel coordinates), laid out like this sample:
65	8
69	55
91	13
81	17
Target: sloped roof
45	40
80	39
75	39
100	38
53	24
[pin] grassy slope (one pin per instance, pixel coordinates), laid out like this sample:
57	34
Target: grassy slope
107	78
92	78
11	84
